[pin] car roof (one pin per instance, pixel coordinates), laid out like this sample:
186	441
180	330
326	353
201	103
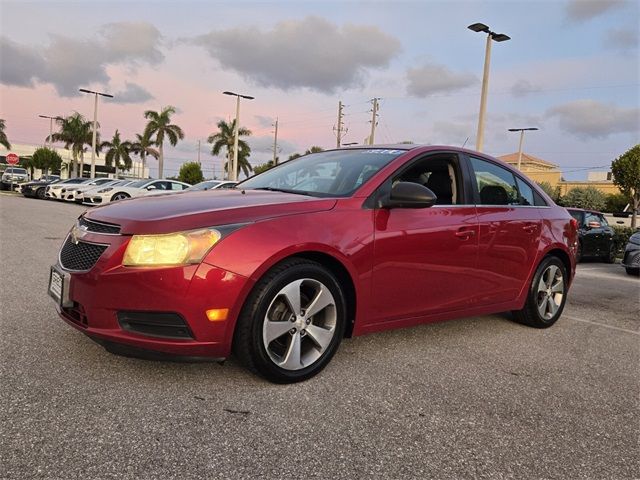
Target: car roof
576	209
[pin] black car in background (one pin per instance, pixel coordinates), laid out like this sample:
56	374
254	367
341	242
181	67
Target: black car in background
631	259
595	236
36	189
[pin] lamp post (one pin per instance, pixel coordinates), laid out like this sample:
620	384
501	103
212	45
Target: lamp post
51	119
234	165
496	37
521	130
95	126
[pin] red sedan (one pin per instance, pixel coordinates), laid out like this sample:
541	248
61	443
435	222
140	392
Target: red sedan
330	245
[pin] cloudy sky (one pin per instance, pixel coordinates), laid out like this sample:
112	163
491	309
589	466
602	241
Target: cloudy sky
571	69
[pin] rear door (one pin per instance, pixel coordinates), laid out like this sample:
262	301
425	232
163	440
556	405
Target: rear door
510	226
425	258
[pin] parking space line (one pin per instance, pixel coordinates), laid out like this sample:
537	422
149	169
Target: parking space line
597	274
601	324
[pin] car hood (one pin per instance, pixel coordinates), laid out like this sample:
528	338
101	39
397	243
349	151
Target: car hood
192	210
35	184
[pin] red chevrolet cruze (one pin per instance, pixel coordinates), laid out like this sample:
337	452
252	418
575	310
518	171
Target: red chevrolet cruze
333	244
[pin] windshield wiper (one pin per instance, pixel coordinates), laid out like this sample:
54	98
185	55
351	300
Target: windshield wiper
284	190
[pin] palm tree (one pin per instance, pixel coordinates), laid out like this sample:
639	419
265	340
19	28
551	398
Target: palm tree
4	141
160	125
224	138
118	153
142	147
75	132
243	160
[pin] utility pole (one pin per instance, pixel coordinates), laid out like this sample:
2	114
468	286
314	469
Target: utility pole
233	175
199	153
275	143
521	130
374	119
340	129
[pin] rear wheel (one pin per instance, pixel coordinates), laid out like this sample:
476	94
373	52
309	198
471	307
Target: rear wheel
611	256
579	252
119	196
292	323
547	295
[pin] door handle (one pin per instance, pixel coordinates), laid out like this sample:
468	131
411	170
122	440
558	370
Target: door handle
465	234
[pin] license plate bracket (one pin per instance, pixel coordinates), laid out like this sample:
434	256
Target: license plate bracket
59	283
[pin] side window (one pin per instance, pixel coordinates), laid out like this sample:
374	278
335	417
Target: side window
590	217
227	185
177	186
438	174
496	185
158	186
526	193
603	221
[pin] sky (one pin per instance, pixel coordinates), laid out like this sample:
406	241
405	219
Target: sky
571	69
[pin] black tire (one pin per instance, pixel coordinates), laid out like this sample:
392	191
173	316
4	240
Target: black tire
633	271
248	345
40	193
579	253
530	314
611	256
120	196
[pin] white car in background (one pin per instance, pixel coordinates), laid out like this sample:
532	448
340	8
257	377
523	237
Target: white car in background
53	191
213	185
84	195
136	189
68	193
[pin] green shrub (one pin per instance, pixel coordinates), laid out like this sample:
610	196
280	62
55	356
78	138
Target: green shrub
615	202
191	173
621	236
589	198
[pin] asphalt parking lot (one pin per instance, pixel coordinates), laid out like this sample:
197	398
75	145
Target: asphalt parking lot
479	397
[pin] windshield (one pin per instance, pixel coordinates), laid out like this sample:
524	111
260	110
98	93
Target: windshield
17	171
336	173
204	185
139	183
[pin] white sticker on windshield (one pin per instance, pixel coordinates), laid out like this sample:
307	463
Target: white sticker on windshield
385	152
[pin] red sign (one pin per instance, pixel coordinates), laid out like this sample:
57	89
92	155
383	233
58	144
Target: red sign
12	159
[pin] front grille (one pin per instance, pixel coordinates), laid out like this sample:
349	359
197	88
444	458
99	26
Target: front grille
80	256
99	227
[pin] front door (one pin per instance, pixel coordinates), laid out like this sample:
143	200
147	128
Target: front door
425	259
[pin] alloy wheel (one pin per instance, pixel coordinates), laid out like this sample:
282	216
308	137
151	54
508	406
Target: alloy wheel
550	292
300	324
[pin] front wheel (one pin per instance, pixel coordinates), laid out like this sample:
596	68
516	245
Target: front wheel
40	193
547	295
119	196
292	323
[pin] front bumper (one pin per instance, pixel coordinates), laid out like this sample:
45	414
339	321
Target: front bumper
109	289
53	193
631	257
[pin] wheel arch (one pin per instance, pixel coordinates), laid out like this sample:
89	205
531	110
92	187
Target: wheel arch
564	258
336	266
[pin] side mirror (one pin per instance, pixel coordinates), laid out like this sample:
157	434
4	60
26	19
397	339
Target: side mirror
152	187
593	225
409	195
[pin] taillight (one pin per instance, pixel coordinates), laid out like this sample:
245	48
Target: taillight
574	223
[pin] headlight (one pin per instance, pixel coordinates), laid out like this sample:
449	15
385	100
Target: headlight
105	190
180	248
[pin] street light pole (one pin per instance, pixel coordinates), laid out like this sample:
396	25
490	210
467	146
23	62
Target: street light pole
234	167
51	119
497	37
95	128
521	130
